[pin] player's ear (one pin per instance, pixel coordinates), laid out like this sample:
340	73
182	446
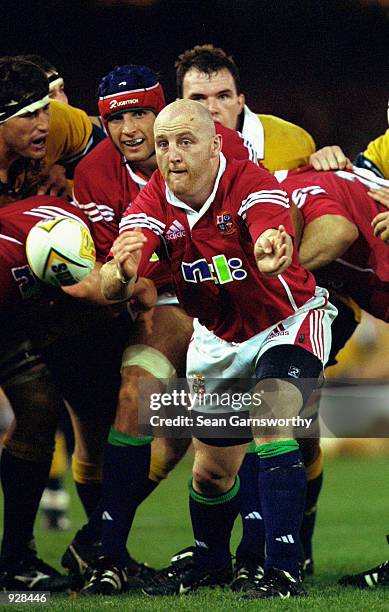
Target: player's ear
241	101
216	145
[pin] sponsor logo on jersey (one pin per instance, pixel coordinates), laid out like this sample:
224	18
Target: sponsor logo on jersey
220	271
176	230
119	103
225	224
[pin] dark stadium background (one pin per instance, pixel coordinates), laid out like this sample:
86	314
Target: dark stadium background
322	64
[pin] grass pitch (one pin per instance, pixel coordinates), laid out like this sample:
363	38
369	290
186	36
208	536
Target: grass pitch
353	520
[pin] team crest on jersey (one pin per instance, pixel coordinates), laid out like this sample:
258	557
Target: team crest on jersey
225	224
198	384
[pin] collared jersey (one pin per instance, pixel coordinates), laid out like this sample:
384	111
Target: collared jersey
278	144
211	251
362	272
105	184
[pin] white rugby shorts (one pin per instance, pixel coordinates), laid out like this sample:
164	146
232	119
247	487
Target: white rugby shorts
217	366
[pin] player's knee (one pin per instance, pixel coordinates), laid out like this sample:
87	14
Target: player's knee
149	360
212	480
38	448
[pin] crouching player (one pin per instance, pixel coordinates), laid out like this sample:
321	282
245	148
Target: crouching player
236	314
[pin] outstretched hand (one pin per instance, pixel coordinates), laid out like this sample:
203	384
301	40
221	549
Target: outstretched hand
127	252
273	251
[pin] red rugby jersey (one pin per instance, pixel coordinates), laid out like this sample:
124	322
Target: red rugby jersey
16	219
104	186
211	251
362	272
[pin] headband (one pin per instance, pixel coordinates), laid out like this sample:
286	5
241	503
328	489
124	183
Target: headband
148	97
57	82
14	109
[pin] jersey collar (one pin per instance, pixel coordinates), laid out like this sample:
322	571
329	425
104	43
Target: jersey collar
195	215
253	132
139	180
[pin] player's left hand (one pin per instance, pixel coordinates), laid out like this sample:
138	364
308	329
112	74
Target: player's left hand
380	224
380	195
55	183
273	251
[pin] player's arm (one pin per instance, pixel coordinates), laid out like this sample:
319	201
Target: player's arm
273	251
118	276
325	239
143	296
330	158
89	289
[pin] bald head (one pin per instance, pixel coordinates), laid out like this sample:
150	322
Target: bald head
187	149
191	112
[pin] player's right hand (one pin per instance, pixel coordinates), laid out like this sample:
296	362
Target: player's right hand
127	252
330	158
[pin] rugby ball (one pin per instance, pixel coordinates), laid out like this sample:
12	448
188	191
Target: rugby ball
60	251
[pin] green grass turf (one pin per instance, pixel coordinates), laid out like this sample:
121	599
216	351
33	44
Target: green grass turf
353	520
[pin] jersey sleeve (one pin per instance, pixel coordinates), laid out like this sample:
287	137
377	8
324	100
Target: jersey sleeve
234	145
90	195
147	214
265	204
314	202
376	156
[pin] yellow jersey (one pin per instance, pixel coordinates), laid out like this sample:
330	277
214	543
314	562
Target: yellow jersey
377	154
278	144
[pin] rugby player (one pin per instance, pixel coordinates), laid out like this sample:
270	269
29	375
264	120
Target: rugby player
233	335
206	74
75	339
342	231
335	217
29	149
105	182
55	499
30	142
